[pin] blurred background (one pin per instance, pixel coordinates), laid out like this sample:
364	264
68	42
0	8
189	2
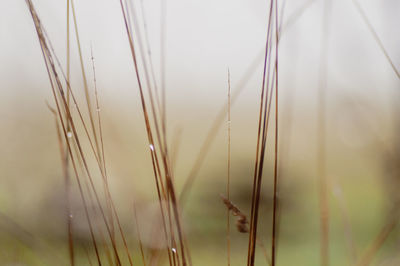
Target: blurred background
202	40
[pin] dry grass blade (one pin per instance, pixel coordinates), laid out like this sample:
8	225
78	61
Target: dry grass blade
212	132
275	199
55	82
149	53
337	191
85	83
156	168
154	101
59	97
99	153
29	240
228	226
261	141
163	27
64	164
66	156
375	36
218	120
296	15
377	243
103	169
170	195
139	237
87	255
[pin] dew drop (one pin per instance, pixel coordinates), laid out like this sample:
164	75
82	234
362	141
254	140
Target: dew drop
151	147
173	250
69	134
70	216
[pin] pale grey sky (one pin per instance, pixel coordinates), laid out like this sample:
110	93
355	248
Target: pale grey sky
204	38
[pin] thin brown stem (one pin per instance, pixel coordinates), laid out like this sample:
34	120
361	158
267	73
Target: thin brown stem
375	36
377	243
275	198
228	225
139	237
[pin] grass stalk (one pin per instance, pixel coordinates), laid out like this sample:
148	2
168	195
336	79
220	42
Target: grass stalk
275	198
228	225
261	145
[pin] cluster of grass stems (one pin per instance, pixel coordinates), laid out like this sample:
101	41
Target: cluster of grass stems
107	235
